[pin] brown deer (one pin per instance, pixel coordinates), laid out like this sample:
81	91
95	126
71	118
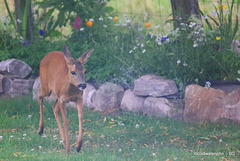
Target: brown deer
64	76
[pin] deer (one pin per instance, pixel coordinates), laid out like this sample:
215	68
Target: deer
64	76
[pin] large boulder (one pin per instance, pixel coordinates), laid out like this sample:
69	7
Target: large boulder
88	93
107	97
232	106
5	84
160	107
208	104
154	86
20	87
14	68
131	102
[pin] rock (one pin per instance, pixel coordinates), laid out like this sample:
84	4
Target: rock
131	102
107	97
203	104
20	87
87	96
236	46
159	107
36	87
154	86
232	106
5	84
14	68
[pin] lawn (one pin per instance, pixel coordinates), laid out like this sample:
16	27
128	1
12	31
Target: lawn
112	136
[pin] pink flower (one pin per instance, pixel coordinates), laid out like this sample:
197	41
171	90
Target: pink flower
77	24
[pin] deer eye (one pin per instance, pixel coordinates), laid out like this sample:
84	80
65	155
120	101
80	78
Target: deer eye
73	73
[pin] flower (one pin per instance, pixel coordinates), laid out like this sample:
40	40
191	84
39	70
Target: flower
81	29
238	71
238	79
205	17
154	154
157	26
218	38
143	51
77	24
195	44
192	24
91	20
221	6
110	18
148	24
3	18
41	32
141	36
127	20
137	126
208	84
89	23
115	18
130	51
178	61
40	147
29	116
19	21
100	19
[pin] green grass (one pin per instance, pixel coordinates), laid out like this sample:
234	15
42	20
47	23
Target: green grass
109	137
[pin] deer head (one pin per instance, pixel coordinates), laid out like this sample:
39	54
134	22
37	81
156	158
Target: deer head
75	68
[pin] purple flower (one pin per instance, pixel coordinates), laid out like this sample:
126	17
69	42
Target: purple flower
141	36
149	35
77	24
26	43
41	32
164	38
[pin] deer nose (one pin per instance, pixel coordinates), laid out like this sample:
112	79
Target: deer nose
82	86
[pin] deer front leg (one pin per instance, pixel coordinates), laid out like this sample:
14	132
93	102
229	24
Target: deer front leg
66	125
41	123
80	117
56	111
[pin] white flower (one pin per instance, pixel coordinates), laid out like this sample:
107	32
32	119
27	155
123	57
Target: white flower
192	24
143	51
157	26
24	135
142	45
117	24
110	18
123	24
137	126
29	116
195	44
49	119
147	42
135	48
81	29
134	149
19	21
3	18
44	136
159	43
205	17
146	14
108	145
154	154
196	33
11	136
40	147
178	61
23	138
220	140
32	149
208	84
60	142
238	71
127	20
102	136
182	24
120	150
105	26
1	137
130	51
91	19
140	29
238	79
100	19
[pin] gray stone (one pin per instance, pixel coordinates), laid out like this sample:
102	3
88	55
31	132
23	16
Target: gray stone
160	107
5	85
88	93
154	86
14	68
20	87
131	102
107	97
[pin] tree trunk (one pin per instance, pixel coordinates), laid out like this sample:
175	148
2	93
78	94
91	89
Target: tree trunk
183	9
19	11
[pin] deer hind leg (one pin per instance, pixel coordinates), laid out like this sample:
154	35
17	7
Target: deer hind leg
56	111
42	93
65	124
80	117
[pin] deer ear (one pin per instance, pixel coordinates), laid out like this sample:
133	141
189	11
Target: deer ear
67	54
84	57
